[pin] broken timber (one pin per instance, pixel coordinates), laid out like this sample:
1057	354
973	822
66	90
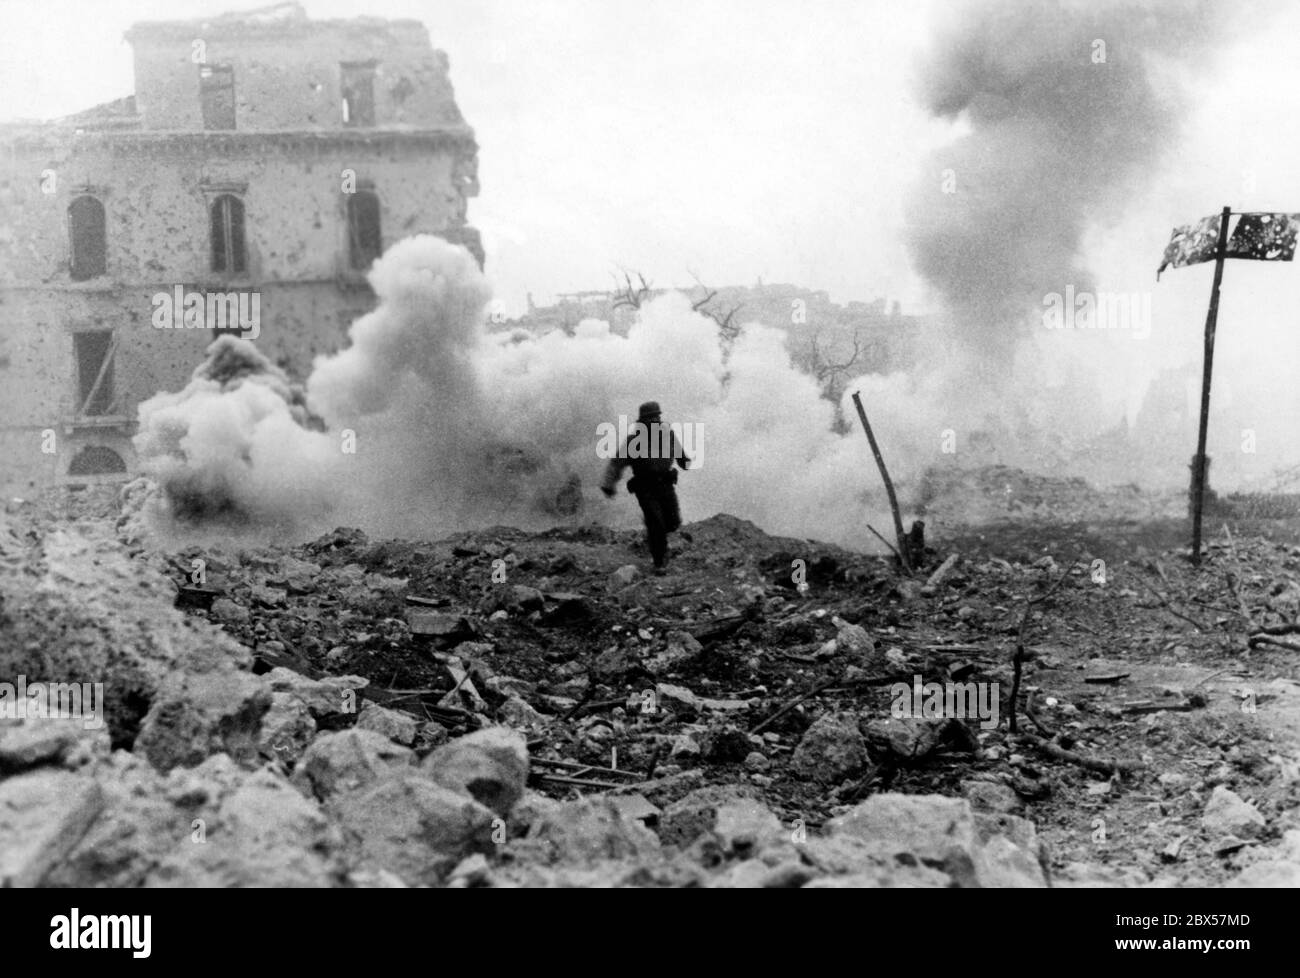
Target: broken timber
904	548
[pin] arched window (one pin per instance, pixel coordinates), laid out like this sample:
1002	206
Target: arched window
365	242
227	233
96	460
86	236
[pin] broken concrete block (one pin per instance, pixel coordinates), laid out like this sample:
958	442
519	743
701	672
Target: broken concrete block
510	686
268	597
43	814
396	726
263	834
226	611
1001	863
684	746
676	697
585	832
519	713
853	639
907	738
137	826
471	871
1277	867
346	683
681	647
831	750
531	808
294	575
287	728
1019	830
447	630
431	734
990	796
569	609
332	701
734	816
933	830
348	760
410	826
195	787
636	807
1227	814
387	585
44	740
624	576
906	589
490	765
517	599
615	664
744	826
198	715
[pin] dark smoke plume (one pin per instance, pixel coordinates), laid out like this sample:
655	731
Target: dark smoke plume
1058	139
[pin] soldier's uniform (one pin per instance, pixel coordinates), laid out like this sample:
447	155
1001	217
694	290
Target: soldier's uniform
653	480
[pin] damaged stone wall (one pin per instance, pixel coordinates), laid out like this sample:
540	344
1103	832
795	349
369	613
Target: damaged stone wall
287	70
157	186
156	191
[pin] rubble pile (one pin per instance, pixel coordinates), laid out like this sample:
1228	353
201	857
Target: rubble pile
511	709
955	495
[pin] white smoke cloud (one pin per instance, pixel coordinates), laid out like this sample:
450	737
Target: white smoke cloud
455	427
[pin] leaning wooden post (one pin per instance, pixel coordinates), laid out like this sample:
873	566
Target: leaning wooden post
1200	463
904	553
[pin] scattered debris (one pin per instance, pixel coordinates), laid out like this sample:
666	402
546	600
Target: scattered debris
364	707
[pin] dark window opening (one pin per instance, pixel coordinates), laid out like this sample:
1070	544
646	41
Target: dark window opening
226	229
87	236
358	88
94	352
365	243
96	460
217	96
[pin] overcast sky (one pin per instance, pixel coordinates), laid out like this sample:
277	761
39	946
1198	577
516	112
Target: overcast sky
737	139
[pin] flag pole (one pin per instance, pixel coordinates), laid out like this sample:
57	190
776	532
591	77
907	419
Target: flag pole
1200	463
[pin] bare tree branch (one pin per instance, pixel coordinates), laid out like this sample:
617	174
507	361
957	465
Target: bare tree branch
629	295
697	306
729	332
828	372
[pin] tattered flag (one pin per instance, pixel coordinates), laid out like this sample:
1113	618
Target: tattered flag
1265	237
1190	244
1257	237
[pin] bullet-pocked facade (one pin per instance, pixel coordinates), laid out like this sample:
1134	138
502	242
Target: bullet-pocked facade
263	156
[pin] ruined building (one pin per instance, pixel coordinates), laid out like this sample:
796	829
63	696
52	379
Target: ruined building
885	338
262	164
